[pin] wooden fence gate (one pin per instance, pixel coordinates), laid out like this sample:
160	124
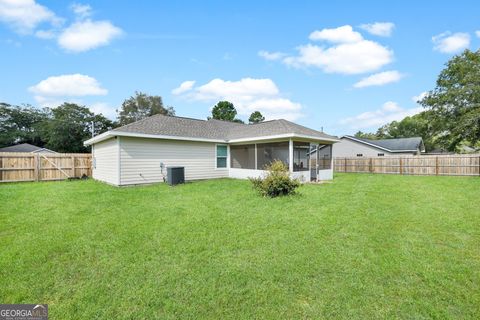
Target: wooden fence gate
23	166
441	165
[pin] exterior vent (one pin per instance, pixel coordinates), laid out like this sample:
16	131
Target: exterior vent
175	175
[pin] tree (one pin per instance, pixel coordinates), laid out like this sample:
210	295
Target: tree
236	120
419	125
224	110
365	135
256	117
141	106
70	125
21	124
455	101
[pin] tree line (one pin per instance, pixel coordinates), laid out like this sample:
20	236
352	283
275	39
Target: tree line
451	119
66	127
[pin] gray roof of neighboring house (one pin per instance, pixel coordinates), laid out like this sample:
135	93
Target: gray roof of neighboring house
394	145
24	147
216	129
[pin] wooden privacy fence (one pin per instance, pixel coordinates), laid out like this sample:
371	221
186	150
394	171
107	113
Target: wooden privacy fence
441	165
23	166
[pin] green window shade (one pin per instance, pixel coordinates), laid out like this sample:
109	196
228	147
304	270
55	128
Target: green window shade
221	151
221	162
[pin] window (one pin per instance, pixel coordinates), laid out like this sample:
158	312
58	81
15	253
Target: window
301	156
380	154
359	155
221	156
243	156
268	152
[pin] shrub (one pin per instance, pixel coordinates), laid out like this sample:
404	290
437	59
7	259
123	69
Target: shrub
277	182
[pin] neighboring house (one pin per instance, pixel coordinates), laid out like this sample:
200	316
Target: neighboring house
26	147
356	147
141	151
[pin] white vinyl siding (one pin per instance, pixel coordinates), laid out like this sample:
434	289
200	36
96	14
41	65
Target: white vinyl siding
105	158
140	159
349	148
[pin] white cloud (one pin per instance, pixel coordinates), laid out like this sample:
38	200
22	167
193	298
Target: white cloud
46	34
346	58
379	79
349	54
343	34
184	87
419	97
271	56
53	102
85	35
451	43
53	89
103	108
82	11
477	33
25	15
382	29
248	95
389	112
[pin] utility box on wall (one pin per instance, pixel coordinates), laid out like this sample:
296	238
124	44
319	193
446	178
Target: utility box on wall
175	175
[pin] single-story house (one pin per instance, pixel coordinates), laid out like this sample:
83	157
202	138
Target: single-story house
358	147
26	147
140	152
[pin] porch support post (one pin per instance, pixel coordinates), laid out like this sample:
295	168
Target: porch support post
256	157
290	155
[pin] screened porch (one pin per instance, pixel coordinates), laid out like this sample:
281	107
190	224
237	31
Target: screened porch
301	157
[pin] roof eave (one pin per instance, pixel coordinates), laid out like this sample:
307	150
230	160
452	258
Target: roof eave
110	134
283	136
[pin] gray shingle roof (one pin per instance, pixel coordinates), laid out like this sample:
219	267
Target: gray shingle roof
395	145
216	129
23	147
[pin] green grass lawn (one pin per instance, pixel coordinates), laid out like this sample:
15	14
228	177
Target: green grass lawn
364	246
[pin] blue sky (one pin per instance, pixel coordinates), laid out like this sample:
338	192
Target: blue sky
344	66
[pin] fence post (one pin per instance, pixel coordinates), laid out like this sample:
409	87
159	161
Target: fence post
401	168
436	166
36	171
371	165
345	167
73	166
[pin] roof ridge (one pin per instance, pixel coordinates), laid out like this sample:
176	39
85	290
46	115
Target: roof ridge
226	121
180	117
261	122
284	123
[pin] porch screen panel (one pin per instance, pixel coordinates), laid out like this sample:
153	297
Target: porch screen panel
268	152
243	156
324	157
301	156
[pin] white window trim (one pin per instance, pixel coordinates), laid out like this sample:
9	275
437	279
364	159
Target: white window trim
227	157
